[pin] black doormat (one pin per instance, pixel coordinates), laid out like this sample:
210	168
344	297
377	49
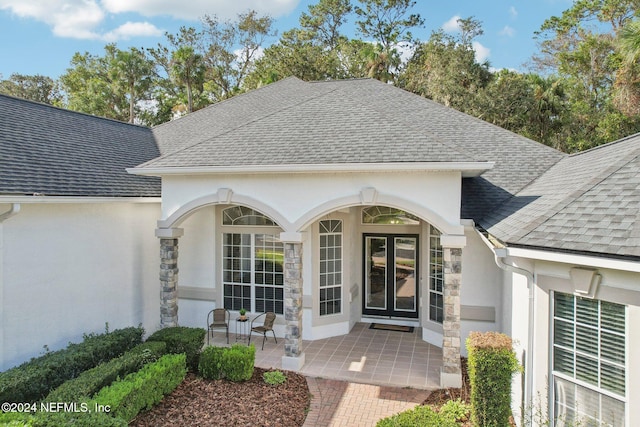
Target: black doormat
397	328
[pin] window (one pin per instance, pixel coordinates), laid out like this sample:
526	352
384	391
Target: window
253	272
436	277
330	267
242	215
589	361
385	215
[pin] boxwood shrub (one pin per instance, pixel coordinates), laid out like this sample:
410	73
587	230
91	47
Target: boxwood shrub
234	363
143	389
91	381
492	363
181	339
422	416
33	380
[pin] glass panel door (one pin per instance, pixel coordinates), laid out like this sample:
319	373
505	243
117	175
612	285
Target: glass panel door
405	274
390	275
376	273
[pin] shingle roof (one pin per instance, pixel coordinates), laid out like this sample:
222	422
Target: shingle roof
53	151
588	202
352	121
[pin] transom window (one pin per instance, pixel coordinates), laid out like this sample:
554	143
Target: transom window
242	215
589	361
330	267
387	215
253	272
436	277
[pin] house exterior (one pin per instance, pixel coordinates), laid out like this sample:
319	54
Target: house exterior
330	203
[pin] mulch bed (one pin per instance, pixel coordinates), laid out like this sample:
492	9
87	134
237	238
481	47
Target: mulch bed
200	402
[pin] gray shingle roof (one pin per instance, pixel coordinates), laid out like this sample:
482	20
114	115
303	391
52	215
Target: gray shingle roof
588	202
52	151
352	121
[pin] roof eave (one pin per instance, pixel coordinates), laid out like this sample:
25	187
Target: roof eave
468	169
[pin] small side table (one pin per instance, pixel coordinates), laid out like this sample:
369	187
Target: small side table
242	329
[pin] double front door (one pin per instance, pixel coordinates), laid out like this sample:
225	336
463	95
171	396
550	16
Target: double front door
391	275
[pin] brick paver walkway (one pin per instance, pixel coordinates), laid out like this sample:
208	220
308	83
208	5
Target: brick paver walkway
341	403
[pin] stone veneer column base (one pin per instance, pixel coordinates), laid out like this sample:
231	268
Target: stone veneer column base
451	374
293	358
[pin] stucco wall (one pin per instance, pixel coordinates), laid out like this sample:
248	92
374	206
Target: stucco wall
67	269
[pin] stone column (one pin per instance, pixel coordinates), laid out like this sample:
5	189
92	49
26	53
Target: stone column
293	358
168	276
451	375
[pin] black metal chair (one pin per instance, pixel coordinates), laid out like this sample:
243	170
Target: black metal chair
267	325
218	318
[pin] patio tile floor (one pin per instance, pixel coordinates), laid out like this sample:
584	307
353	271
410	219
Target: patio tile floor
389	358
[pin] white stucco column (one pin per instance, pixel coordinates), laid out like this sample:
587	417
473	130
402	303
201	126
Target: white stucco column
293	358
451	374
169	275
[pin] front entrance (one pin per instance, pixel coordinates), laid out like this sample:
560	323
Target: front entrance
390	275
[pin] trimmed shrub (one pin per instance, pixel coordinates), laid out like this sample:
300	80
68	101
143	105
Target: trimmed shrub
91	381
492	363
422	416
33	380
79	419
210	365
456	410
238	362
181	339
143	389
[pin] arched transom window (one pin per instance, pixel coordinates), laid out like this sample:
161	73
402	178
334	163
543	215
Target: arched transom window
385	215
242	215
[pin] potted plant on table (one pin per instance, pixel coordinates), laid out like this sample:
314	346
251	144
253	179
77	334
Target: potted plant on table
243	314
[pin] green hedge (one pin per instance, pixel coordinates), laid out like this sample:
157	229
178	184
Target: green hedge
94	379
491	363
185	340
234	363
143	389
33	380
422	416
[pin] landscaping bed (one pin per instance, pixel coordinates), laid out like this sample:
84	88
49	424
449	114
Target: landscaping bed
201	402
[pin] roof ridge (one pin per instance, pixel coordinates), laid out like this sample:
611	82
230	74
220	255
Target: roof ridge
579	192
607	145
254	120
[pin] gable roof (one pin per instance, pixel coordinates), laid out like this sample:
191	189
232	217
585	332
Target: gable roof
292	122
56	152
588	202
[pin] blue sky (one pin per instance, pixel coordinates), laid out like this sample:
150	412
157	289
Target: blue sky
41	36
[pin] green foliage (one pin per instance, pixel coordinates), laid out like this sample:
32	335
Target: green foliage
143	389
422	416
33	380
77	419
274	377
234	363
238	362
92	380
181	339
455	410
210	365
35	88
492	364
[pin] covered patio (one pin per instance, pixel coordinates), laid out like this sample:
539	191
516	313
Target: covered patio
392	358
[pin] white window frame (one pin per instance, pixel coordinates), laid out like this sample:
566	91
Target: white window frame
330	273
577	383
435	252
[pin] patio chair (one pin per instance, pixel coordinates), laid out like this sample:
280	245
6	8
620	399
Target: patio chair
218	318
269	318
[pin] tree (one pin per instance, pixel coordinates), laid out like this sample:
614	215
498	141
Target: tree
37	88
324	21
230	49
188	69
388	23
445	69
134	69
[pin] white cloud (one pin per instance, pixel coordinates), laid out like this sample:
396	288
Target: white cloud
482	53
513	12
194	9
507	31
83	19
132	29
452	25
